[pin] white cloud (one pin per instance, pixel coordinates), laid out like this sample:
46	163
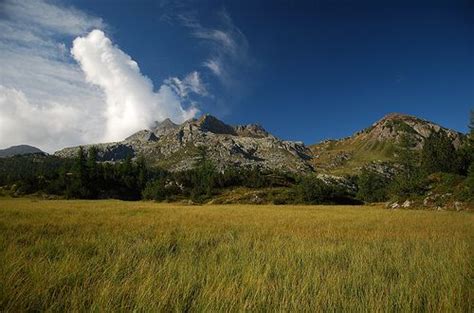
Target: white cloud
131	102
214	66
229	46
43	16
45	98
41	125
192	83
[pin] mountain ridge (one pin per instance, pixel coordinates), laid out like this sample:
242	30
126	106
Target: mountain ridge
178	146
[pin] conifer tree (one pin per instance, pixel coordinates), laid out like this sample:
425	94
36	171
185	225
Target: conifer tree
439	154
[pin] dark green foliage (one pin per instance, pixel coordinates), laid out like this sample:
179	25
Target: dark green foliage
82	177
468	192
466	152
78	185
471	125
439	154
162	187
203	180
30	172
372	186
313	190
407	184
410	180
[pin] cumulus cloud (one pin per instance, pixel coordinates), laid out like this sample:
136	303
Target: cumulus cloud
131	100
49	100
24	122
45	100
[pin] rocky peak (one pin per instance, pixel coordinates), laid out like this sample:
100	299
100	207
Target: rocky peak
395	125
166	123
251	130
142	135
209	123
163	127
176	147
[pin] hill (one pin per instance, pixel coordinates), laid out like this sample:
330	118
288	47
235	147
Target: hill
377	143
19	150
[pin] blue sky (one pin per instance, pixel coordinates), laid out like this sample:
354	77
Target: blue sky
305	70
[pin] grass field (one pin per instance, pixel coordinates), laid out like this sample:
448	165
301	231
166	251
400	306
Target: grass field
142	256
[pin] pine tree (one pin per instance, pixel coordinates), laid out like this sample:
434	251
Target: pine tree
471	125
409	180
372	186
439	154
142	172
93	182
78	186
406	155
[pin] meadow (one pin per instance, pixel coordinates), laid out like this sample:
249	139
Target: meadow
117	256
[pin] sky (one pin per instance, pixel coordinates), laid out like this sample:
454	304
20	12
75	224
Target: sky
77	72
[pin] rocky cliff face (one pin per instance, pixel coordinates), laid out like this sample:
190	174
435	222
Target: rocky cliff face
176	147
375	144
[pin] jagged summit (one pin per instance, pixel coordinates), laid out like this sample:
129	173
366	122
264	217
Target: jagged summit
166	123
177	147
211	124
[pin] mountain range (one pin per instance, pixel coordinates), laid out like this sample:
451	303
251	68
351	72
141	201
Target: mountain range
177	147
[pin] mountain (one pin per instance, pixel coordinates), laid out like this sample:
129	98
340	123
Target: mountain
376	143
19	150
177	147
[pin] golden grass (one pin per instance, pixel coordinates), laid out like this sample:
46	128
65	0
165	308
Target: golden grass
142	256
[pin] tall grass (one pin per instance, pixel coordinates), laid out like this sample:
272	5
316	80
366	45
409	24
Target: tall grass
139	256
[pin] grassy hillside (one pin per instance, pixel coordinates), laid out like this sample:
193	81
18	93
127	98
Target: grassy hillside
140	256
347	156
376	143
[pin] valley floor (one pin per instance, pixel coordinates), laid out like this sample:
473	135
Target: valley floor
143	256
